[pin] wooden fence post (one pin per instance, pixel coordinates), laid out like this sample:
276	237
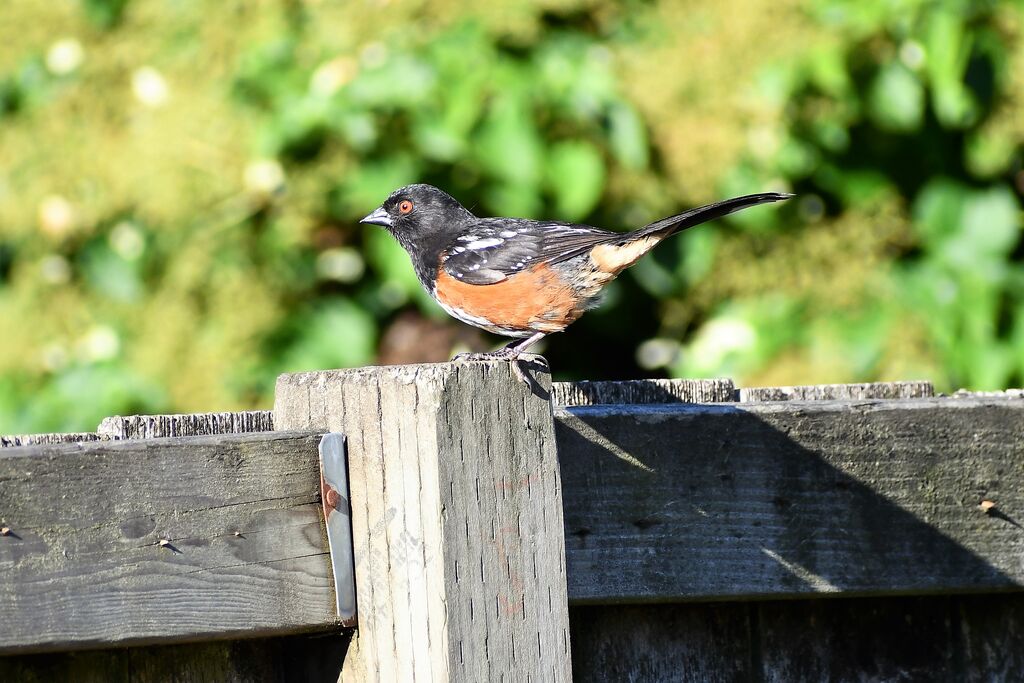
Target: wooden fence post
457	518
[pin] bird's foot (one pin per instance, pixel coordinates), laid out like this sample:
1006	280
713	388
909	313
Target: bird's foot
514	356
501	354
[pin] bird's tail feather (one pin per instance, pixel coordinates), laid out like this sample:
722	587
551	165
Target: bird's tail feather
702	214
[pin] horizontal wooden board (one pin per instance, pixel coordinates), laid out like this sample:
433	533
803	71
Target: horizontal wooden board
957	638
83	563
922	638
703	502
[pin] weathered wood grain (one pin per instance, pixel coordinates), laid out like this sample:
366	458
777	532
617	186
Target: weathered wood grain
703	643
990	637
839	392
84	564
42	439
1008	393
194	424
931	638
971	638
906	638
456	516
153	426
587	393
785	499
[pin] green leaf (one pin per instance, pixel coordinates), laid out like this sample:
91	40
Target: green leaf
1017	338
627	136
336	334
968	228
698	249
948	47
654	277
370	184
741	338
988	154
105	14
575	172
111	275
796	158
857	187
402	81
991	222
937	210
896	99
111	389
358	129
510	199
508	146
436	140
827	70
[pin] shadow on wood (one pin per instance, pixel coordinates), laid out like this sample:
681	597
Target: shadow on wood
932	638
667	503
291	659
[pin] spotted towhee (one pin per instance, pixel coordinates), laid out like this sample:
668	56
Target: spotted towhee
517	277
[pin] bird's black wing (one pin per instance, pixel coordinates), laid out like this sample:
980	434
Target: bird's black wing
494	249
490	250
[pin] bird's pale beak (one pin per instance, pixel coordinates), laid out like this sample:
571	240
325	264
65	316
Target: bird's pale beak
378	217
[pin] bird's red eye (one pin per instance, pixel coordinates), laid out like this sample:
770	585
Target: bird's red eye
405	206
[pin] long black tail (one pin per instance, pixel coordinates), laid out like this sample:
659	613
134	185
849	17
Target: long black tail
703	214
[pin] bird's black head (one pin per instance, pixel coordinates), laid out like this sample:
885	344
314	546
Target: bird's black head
417	212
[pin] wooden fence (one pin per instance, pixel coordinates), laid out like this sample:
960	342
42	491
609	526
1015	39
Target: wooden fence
636	531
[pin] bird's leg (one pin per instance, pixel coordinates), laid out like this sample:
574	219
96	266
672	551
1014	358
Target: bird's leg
511	352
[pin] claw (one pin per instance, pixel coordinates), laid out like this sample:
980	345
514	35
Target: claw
517	361
517	370
535	358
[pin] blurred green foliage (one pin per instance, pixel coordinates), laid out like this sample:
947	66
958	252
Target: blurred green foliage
918	102
180	184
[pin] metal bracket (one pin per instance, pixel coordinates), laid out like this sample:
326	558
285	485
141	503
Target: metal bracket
338	517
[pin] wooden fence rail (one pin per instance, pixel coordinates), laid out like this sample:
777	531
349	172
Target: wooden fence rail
162	540
482	508
669	503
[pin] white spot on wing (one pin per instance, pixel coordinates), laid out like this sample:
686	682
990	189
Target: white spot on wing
485	243
507	233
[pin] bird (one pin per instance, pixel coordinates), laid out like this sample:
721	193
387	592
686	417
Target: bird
519	277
